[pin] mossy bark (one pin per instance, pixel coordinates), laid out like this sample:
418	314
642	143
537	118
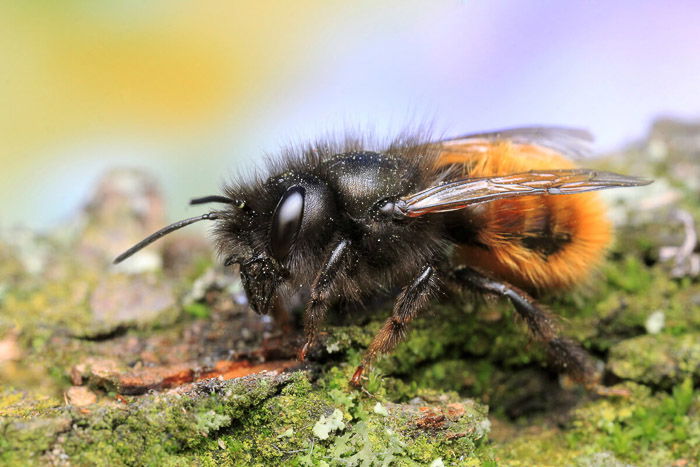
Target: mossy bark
162	385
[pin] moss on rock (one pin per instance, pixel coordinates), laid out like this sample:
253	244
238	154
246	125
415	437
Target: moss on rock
258	420
657	360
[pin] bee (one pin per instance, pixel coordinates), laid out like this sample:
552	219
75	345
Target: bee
504	213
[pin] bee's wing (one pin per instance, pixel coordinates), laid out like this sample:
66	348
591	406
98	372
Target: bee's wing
569	142
469	191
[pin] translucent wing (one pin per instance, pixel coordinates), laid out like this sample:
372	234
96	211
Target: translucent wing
569	142
459	194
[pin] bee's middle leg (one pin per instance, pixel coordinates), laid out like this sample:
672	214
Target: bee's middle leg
409	303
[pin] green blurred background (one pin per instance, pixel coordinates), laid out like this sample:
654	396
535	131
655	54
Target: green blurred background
196	91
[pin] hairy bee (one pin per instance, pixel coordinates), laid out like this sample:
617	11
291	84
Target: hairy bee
503	213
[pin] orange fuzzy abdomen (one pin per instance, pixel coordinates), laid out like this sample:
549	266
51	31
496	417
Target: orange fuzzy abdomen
535	242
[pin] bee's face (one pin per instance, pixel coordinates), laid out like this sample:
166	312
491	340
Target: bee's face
260	278
288	216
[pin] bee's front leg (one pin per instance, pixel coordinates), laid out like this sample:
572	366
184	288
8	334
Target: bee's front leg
335	266
409	303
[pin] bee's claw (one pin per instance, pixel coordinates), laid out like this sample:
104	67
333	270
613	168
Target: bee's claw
356	380
303	351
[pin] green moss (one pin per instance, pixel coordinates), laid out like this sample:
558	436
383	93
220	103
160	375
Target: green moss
535	446
658	360
20	404
655	428
628	275
61	303
155	429
262	437
648	429
25	442
260	420
197	310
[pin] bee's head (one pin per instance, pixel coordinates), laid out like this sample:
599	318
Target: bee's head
275	232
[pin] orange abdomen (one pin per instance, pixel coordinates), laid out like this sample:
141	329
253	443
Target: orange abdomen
535	242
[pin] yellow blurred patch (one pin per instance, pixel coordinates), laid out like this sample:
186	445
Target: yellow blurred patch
72	69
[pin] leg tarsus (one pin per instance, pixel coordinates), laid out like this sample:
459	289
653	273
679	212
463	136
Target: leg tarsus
303	351
571	358
356	380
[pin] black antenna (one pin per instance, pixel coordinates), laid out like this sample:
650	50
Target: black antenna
212	199
164	231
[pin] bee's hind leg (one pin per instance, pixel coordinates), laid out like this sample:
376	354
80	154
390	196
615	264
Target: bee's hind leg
409	303
565	353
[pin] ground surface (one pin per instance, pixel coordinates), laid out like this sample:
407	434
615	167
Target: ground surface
160	362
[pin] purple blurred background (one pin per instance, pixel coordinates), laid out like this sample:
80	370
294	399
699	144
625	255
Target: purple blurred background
196	91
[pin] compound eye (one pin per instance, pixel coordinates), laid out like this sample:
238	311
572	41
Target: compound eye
286	222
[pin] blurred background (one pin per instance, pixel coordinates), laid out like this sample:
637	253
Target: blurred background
195	91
